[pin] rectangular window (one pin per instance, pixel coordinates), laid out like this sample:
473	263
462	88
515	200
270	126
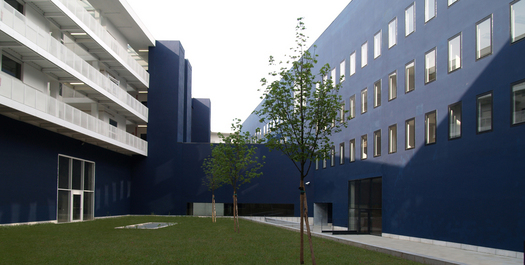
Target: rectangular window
392	139
332	156
430	66
518	103
364	149
364	103
317	163
450	2
517	20
377	93
484	38
352	64
351	148
364	54
342	112
377	44
392	86
392	33
410	134
351	110
342	153
430	127
410	19
454	53
11	67
484	111
333	77
377	143
454	124
16	5
430	10
324	161
342	71
410	77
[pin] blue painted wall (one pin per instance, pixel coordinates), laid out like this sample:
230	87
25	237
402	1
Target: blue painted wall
28	175
201	113
468	190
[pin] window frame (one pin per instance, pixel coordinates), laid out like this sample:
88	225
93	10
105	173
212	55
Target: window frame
427	128
478	116
377	143
351	150
427	76
459	35
413	6
377	96
427	19
351	107
512	103
364	147
392	96
342	153
342	71
522	36
332	156
413	63
377	46
352	63
342	111
491	28
407	134
364	100
460	121
392	140
19	73
394	34
364	54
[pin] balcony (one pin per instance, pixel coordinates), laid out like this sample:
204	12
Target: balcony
22	102
37	47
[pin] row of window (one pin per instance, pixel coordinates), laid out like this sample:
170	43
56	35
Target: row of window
483	124
483	40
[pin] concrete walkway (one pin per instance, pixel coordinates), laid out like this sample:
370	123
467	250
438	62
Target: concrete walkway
416	251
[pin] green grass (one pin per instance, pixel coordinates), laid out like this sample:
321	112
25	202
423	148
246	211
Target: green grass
191	241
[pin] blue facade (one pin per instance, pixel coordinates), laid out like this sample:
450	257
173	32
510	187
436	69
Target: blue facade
466	190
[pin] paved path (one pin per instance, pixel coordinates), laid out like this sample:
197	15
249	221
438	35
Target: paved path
420	252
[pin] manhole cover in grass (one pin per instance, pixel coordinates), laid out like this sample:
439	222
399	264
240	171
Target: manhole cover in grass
150	225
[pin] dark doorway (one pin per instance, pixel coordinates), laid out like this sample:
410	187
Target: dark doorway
364	206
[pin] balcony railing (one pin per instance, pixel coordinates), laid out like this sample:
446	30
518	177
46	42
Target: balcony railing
44	40
15	90
88	20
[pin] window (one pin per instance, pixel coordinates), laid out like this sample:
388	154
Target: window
454	53
352	64
377	93
454	124
410	19
377	143
342	71
364	95
351	110
364	150
342	153
392	33
392	139
333	77
410	77
517	20
324	161
342	112
364	54
450	2
351	148
392	86
332	156
430	10
484	38
317	163
430	66
410	134
430	127
377	44
518	103
16	5
484	111
11	67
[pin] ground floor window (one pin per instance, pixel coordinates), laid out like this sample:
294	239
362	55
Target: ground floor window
76	186
518	103
365	206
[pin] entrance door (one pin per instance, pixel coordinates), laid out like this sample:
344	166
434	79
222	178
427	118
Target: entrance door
76	205
364	206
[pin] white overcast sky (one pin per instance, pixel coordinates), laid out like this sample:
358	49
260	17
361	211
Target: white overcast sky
228	43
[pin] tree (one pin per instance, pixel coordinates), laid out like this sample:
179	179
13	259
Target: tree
301	110
211	169
235	163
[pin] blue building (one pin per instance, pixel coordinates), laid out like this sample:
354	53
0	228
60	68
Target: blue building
434	148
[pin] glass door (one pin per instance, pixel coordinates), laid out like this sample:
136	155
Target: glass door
76	205
365	206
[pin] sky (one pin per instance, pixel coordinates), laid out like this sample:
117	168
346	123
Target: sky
229	42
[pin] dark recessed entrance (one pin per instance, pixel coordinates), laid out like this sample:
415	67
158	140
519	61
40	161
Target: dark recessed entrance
365	202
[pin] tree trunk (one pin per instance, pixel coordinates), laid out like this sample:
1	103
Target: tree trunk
213	213
308	229
301	199
235	214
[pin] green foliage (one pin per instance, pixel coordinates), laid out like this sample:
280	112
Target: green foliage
302	109
233	162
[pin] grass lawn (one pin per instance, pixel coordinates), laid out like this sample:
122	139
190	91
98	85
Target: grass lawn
192	241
